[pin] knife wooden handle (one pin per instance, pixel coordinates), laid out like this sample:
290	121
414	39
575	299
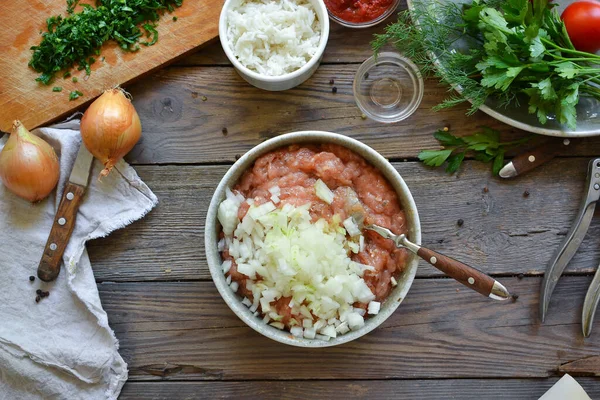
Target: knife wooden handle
537	156
468	276
64	223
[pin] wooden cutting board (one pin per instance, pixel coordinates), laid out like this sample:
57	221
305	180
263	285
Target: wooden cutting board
21	21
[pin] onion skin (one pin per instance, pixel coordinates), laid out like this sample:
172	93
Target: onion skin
110	127
29	166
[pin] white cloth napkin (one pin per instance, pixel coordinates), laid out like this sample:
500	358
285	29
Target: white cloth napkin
566	388
62	347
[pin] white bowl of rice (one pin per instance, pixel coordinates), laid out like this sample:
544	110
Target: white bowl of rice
274	44
292	282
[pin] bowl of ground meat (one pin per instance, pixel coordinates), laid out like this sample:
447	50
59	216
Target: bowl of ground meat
285	249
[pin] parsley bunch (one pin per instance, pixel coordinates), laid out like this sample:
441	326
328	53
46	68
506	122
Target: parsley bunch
484	145
509	52
76	38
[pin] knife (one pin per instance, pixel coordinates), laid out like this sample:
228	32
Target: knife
531	159
64	221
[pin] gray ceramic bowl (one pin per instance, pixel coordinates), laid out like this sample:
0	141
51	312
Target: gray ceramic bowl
213	228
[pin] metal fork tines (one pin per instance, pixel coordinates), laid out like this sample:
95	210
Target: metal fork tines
569	247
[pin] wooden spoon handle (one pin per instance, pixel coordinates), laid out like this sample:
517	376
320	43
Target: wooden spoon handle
62	228
468	276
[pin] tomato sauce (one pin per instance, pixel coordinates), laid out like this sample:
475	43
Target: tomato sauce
357	11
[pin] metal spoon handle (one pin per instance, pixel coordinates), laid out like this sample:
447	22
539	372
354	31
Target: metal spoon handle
468	276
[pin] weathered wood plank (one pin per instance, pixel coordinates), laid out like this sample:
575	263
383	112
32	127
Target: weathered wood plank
180	127
464	389
184	331
503	232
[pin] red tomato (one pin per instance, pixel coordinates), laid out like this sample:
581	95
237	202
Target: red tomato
582	19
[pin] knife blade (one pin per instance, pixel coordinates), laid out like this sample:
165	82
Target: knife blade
533	158
64	220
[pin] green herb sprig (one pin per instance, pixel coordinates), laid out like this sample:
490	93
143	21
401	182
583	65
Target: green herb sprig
77	38
75	94
511	51
484	145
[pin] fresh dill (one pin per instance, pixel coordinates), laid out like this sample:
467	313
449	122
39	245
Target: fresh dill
504	51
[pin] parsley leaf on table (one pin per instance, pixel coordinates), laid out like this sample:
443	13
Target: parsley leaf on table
484	145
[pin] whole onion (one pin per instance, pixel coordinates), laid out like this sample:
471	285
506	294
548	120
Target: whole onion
28	165
110	127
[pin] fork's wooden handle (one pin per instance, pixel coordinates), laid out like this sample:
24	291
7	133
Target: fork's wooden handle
64	223
468	276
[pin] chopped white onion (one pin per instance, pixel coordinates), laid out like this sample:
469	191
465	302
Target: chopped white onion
305	260
228	214
329	330
319	324
246	302
394	282
278	325
351	227
374	307
322	337
234	286
342	328
228	280
297	331
226	266
360	311
355	321
310	333
361	243
323	192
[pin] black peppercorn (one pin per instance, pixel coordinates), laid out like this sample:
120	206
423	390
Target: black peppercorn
224	130
485	189
515	297
331	81
334	90
520	276
38	292
526	193
32	278
460	222
37	299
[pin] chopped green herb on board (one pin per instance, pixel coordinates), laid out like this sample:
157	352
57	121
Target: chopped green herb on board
76	38
75	80
57	89
485	146
75	94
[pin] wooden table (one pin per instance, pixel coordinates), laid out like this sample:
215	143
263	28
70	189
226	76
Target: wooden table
180	339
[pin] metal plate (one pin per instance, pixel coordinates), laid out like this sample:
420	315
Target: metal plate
588	109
